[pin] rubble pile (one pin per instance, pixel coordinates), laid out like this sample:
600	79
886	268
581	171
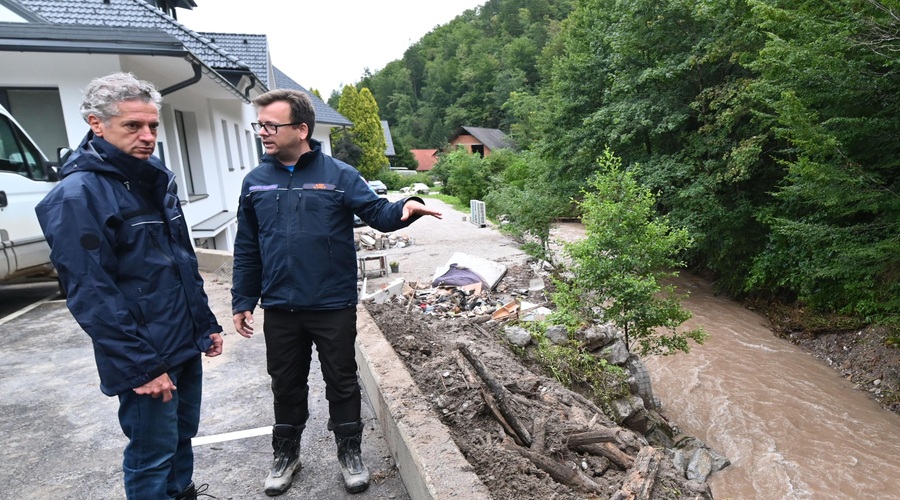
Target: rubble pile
373	240
472	301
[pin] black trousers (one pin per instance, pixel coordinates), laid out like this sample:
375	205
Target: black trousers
289	340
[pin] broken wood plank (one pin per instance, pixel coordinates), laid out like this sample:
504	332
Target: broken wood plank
500	394
560	473
640	479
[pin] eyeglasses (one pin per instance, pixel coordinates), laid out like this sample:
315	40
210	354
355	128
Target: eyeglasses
271	128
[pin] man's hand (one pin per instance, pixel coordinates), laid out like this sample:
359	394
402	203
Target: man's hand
242	322
160	386
413	207
216	348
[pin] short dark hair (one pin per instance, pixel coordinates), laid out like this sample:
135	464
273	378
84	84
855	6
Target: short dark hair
302	110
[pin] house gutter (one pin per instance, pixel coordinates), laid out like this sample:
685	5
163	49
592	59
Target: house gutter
253	81
198	74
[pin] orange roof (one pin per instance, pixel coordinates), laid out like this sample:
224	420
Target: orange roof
426	158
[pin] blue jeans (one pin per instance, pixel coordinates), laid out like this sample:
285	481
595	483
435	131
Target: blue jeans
159	461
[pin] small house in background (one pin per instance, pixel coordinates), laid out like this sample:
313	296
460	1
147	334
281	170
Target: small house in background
426	158
480	140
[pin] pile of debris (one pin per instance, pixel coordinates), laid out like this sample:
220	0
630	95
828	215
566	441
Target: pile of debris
467	287
470	288
374	240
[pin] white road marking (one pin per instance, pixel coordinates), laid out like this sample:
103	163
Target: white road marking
231	436
25	309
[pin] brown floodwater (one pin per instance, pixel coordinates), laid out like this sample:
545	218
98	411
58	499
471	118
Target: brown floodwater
792	427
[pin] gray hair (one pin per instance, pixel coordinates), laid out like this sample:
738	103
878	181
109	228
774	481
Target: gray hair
103	95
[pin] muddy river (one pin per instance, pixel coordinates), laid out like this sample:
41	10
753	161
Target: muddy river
792	427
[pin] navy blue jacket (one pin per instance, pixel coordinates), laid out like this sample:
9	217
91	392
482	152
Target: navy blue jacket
294	247
119	242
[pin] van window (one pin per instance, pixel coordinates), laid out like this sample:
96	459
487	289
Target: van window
18	154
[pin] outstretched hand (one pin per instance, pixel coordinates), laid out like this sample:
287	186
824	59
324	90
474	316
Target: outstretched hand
413	207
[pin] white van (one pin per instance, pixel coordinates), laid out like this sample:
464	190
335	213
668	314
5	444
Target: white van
26	176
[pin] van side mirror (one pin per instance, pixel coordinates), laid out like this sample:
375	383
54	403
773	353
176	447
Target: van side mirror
62	155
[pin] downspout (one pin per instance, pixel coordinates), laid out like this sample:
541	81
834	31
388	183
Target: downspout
198	73
252	84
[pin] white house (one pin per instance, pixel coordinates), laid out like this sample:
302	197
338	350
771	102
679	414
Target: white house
51	49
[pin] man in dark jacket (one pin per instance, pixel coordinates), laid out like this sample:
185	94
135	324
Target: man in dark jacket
119	242
294	250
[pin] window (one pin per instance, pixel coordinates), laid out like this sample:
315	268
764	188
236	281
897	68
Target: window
240	145
191	167
227	145
39	111
478	149
17	154
248	137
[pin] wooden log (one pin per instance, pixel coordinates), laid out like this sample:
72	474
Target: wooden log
640	479
501	395
560	473
539	430
608	450
601	435
492	405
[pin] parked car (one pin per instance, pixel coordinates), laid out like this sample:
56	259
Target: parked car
26	176
378	187
420	188
357	222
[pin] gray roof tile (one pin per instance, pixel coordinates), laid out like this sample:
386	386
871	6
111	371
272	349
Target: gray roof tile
250	49
133	14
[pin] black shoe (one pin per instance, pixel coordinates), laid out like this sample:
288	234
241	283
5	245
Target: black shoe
192	492
286	462
349	438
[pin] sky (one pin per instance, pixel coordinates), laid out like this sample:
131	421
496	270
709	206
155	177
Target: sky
329	43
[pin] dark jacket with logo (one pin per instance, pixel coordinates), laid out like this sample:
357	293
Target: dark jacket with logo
119	242
294	247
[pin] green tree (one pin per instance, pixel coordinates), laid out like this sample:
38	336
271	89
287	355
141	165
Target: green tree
367	133
522	195
618	269
829	76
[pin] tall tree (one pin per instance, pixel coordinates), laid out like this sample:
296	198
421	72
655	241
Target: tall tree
367	133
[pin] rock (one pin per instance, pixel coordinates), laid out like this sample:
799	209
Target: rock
615	354
598	336
703	460
700	466
517	335
626	407
558	334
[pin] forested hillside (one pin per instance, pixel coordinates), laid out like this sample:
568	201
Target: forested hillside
768	128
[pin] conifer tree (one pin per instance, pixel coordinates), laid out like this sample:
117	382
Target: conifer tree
360	108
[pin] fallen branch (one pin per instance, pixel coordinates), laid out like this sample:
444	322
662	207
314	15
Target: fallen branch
500	394
492	405
640	480
608	450
560	473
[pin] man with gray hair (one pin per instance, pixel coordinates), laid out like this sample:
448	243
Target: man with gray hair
119	242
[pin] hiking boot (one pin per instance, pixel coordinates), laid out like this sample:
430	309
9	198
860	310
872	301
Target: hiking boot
286	446
349	438
192	492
